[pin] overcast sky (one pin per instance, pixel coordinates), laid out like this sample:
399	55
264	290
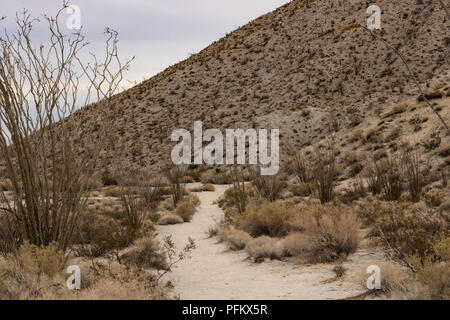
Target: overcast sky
158	32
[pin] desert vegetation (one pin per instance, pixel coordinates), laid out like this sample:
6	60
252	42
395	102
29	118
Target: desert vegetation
364	163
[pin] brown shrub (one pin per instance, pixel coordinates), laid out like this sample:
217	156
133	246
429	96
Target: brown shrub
302	189
146	253
264	247
203	188
403	229
434	271
25	272
388	172
170	218
268	218
235	239
268	187
186	210
324	173
330	233
434	197
396	280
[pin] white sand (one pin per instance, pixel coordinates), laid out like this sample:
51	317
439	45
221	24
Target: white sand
216	273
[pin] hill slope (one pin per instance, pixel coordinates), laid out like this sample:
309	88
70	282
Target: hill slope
288	69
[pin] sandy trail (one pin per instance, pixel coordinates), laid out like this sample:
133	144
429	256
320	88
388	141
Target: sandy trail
214	272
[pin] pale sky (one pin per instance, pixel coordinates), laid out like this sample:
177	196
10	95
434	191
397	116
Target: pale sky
158	32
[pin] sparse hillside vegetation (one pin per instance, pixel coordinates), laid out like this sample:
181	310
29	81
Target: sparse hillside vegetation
364	163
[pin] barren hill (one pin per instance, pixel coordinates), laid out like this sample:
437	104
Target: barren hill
294	69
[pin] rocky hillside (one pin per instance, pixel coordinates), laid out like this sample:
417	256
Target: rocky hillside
294	69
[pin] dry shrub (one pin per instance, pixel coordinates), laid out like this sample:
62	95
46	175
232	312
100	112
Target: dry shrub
169	219
295	244
113	281
209	177
97	234
134	214
237	196
396	280
434	197
436	278
5	185
167	204
413	174
209	188
404	229
339	270
268	187
145	253
24	273
186	210
194	200
434	271
302	189
324	173
9	235
373	181
264	247
354	191
151	192
388	172
235	239
203	188
299	167
108	179
175	176
330	234
237	193
112	191
267	218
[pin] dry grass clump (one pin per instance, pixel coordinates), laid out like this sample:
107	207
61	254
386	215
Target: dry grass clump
96	235
25	272
434	197
330	233
302	189
203	188
169	219
397	109
397	281
186	210
264	247
113	281
235	239
146	253
209	177
194	200
267	218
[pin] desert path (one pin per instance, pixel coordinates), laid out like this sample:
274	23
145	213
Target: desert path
214	272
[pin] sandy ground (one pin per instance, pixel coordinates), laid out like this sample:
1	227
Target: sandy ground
214	272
